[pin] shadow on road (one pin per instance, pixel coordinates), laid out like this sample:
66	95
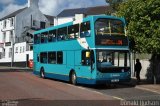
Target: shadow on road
130	84
15	70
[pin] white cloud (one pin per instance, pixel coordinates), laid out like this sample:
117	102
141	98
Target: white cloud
50	7
10	8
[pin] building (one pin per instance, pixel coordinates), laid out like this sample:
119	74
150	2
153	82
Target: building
16	33
68	15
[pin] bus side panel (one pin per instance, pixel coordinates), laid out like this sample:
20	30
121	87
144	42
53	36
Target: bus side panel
70	58
36	61
57	71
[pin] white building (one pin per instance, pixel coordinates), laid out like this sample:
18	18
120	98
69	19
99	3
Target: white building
68	15
16	31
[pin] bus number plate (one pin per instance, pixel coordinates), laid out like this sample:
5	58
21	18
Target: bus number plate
115	80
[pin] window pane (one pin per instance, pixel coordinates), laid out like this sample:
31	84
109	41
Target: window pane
44	37
43	57
85	29
109	27
87	56
37	39
59	57
62	34
73	31
52	57
113	58
52	36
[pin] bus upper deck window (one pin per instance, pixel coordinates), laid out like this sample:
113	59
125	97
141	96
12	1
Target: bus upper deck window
73	31
44	37
62	34
85	29
37	39
52	36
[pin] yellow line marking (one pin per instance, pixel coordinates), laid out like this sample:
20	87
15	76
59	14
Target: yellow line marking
142	88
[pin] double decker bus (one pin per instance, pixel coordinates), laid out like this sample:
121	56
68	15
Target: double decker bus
92	50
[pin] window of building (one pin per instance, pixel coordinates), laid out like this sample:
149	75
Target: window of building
4	36
11	22
23	49
11	36
20	49
10	52
4	24
4	53
42	25
85	29
43	57
59	57
73	31
1	55
34	22
52	57
62	34
16	50
52	36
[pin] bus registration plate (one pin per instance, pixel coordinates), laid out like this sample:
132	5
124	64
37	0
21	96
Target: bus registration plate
115	80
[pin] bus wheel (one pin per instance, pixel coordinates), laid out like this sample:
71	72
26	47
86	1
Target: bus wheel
42	74
73	78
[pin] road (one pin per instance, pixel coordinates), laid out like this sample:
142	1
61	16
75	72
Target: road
25	88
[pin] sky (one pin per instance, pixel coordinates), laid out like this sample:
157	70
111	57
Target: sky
49	7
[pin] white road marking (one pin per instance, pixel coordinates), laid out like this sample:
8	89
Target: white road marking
95	91
117	98
151	90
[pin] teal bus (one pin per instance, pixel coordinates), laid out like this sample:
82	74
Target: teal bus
90	50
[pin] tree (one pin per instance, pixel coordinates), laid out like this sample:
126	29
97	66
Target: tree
143	18
114	3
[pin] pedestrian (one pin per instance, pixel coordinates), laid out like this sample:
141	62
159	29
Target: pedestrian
138	68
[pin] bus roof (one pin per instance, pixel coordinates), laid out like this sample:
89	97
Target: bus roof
71	23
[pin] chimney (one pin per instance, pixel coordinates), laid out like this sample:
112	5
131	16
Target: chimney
33	3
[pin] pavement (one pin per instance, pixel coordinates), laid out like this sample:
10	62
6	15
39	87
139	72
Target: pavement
15	68
144	85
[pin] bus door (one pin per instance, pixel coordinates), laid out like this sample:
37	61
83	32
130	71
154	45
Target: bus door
87	61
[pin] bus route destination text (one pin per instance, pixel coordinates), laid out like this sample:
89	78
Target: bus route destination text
111	42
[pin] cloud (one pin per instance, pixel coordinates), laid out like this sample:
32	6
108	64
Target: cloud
10	8
6	2
50	7
53	7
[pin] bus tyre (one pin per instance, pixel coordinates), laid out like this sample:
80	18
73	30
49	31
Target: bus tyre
73	78
42	74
